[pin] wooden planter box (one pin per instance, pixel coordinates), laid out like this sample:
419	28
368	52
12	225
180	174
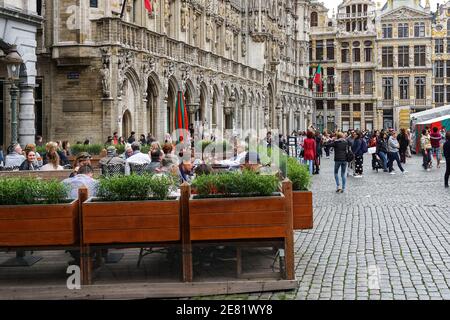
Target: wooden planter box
238	218
303	210
39	225
131	222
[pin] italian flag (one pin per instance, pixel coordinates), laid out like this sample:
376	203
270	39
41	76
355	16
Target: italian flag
318	77
148	6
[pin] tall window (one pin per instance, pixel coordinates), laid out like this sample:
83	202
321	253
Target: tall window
419	30
388	57
93	3
439	46
448	43
319	50
439	69
448	94
345	53
330	49
330	80
403	30
356	82
314	19
356	55
403	83
439	94
420	87
310	51
403	56
448	28
419	56
387	88
39	7
368	82
368	54
387	31
345	82
135	10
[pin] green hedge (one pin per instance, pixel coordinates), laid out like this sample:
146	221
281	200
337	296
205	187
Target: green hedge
135	188
92	149
24	191
299	175
245	184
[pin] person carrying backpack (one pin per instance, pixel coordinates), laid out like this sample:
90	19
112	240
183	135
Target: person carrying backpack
359	148
342	153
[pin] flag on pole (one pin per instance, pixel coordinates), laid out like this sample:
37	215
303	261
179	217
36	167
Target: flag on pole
148	5
318	77
181	116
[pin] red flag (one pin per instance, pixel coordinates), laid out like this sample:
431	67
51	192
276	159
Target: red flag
318	77
148	6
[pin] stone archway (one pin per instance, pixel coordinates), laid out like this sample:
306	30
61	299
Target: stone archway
152	104
170	109
126	123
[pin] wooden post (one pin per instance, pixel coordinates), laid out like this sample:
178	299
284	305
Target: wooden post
289	239
185	228
85	259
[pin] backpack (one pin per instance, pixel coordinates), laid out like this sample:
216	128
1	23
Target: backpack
364	147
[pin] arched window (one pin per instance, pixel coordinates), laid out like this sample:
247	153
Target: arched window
448	28
314	19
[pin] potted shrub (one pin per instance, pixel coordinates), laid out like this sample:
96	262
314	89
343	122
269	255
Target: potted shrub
36	213
302	197
236	206
132	209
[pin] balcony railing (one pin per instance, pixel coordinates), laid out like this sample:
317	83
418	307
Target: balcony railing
420	102
368	88
113	31
323	95
404	102
388	103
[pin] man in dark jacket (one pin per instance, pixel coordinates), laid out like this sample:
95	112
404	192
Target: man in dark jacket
341	149
382	149
447	157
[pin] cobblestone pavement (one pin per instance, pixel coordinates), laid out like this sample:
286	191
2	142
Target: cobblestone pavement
386	238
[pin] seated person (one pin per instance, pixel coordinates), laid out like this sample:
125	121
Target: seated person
185	171
137	158
38	161
30	163
52	160
83	159
169	157
84	178
111	157
251	162
14	158
155	165
203	169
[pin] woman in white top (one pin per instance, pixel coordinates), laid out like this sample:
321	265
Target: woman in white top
52	162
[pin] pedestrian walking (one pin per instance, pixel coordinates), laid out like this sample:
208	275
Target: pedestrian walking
425	143
393	153
435	138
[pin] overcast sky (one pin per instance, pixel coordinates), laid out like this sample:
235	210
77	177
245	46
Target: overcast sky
334	3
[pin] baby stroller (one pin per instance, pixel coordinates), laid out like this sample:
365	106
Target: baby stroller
377	163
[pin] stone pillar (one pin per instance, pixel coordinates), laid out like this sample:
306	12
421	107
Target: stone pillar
26	127
338	119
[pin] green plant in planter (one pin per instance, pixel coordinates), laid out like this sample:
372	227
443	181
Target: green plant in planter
245	184
299	175
92	149
41	150
134	188
27	191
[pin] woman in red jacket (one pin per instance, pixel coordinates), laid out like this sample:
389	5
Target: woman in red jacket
309	147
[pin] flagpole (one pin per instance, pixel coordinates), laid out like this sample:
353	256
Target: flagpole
123	8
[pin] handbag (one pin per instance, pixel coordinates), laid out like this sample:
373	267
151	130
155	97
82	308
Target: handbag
372	150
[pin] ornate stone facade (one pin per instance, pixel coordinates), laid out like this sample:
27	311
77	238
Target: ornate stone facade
241	65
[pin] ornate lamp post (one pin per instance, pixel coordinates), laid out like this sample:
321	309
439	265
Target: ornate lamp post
13	62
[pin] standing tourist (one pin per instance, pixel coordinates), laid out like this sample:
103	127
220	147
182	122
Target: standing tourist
309	147
447	157
132	137
404	144
425	143
382	149
341	149
359	148
373	144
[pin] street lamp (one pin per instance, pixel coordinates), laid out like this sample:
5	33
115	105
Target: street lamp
13	62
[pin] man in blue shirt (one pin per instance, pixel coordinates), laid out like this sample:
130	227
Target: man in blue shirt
84	178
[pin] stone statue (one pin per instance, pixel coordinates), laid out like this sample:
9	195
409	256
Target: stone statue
209	30
184	17
106	80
